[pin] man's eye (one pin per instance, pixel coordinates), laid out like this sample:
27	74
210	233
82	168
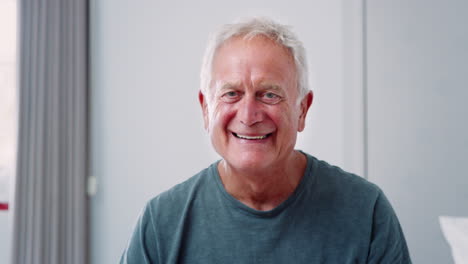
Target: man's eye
270	98
230	96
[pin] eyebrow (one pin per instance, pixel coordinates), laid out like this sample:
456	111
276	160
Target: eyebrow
263	86
220	86
271	86
227	86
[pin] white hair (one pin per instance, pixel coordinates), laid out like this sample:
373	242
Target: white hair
249	28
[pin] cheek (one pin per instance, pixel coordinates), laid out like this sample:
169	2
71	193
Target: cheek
220	116
286	120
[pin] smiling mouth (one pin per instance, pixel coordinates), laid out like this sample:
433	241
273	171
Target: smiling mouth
251	137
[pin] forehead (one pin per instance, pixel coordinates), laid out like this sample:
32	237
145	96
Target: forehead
251	60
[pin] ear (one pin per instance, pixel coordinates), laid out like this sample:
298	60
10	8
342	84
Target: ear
204	106
304	108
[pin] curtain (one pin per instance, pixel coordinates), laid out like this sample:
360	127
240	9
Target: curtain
51	205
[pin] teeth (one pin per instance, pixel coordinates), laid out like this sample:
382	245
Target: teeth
248	137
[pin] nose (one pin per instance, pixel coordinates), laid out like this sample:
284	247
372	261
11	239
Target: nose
250	112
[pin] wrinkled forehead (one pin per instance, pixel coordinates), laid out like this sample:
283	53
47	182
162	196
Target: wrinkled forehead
258	60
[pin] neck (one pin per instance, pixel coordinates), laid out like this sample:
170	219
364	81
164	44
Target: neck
264	189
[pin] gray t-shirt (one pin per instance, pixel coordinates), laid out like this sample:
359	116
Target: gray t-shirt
332	217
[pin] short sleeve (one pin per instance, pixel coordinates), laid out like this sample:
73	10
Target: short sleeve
142	247
388	244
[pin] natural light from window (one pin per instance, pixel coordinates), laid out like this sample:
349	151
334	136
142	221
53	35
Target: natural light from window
8	99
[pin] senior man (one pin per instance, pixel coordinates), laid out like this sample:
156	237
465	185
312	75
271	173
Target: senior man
264	201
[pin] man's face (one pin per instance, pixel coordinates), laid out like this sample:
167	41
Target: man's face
251	113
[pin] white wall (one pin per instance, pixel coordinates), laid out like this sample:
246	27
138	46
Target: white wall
147	132
5	236
418	129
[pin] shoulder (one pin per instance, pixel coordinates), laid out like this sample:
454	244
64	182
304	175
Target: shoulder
334	177
341	191
160	220
347	196
173	202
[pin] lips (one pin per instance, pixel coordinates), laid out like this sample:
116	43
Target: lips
251	137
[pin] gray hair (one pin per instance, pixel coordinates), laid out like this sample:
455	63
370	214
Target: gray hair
249	28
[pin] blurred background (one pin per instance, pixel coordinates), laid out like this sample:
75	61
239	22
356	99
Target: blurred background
390	92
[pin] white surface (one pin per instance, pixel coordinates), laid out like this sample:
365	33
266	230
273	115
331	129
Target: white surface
455	230
147	130
5	236
8	29
418	143
92	186
8	115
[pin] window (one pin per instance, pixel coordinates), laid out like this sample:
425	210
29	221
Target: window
8	99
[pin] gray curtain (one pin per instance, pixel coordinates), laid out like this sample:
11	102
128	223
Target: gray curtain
51	205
